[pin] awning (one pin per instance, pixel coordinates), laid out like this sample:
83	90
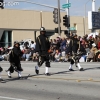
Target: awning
1	33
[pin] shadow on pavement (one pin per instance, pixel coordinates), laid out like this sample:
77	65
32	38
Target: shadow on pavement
63	72
16	78
92	68
26	77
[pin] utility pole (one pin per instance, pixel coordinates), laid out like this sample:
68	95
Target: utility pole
93	9
41	18
59	28
67	9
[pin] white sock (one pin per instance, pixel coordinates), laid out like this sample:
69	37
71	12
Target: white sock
70	67
46	70
9	74
37	67
19	73
78	65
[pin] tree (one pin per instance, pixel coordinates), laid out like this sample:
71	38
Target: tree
99	9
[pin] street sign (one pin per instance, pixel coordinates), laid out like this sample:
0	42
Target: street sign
66	5
94	20
72	28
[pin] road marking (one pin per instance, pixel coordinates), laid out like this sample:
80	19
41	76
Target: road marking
69	79
78	80
9	98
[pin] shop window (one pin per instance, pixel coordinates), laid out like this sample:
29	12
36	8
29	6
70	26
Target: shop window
6	39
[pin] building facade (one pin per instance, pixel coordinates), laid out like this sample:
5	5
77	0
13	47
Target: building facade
25	24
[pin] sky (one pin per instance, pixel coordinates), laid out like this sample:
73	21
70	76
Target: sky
77	6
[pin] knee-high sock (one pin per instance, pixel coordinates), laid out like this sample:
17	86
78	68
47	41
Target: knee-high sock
46	70
9	74
78	65
19	74
37	67
70	67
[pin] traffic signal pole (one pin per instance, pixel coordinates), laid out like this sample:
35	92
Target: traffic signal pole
67	9
59	29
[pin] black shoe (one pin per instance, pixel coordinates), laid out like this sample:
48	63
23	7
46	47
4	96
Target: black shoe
19	77
71	70
9	77
81	69
36	71
1	79
47	74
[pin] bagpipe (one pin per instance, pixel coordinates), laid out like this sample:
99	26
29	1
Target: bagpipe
78	55
75	56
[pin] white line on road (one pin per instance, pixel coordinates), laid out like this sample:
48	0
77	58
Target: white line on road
9	98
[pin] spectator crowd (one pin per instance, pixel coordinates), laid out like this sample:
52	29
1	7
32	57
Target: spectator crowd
59	50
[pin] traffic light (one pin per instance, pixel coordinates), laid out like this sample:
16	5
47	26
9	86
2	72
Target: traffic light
66	33
65	21
2	4
55	15
56	30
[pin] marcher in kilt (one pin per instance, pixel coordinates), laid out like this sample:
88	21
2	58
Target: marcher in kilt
42	47
14	59
75	46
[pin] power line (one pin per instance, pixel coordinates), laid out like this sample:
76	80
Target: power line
27	1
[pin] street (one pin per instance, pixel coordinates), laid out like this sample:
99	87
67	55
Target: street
61	85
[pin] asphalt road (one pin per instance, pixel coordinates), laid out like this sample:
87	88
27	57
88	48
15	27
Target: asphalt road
61	85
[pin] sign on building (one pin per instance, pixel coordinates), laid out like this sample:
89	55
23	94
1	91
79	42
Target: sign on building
93	20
